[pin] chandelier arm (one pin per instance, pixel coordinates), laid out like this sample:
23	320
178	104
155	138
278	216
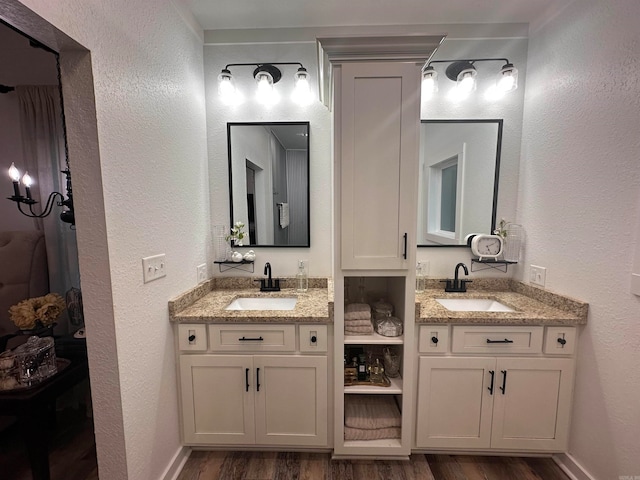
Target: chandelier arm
47	208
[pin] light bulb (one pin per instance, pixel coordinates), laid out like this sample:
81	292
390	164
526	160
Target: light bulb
14	173
429	82
27	180
266	93
467	80
507	78
226	87
301	90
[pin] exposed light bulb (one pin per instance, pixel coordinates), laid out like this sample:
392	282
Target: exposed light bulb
429	82
266	93
467	80
14	173
507	78
226	86
27	180
301	90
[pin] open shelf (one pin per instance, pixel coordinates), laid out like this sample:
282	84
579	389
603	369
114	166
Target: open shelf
394	389
244	265
372	339
384	442
485	264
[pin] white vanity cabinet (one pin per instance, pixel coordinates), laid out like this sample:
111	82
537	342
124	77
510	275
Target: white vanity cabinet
377	132
257	392
481	392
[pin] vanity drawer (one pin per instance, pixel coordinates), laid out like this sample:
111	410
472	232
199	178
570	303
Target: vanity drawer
497	339
252	338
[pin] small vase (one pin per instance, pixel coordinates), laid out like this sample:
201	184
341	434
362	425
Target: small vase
513	242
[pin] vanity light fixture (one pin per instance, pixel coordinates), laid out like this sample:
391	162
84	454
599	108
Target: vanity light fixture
266	76
464	73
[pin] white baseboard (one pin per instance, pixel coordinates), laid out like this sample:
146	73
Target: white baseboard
571	467
176	464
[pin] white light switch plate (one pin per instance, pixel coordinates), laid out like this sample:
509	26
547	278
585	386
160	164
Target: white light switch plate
538	275
153	267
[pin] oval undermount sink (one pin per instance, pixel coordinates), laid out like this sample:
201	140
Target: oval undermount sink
263	303
473	305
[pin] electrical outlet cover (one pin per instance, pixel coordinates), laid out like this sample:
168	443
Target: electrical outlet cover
538	275
202	272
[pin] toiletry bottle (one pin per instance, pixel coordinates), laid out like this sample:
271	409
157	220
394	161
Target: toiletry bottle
302	280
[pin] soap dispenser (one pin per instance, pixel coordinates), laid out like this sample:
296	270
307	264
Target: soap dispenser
302	280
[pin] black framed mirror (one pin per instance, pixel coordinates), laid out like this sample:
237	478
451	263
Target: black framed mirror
458	180
269	182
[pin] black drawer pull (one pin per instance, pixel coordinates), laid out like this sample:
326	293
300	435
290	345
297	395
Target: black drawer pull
258	379
193	337
245	339
562	341
246	379
506	340
434	340
493	375
404	255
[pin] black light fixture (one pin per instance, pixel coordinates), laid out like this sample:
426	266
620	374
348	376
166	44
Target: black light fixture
464	73
67	215
266	76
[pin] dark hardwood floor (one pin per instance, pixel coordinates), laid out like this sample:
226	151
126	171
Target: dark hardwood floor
73	457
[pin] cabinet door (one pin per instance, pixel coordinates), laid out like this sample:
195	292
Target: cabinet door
532	413
217	406
379	120
291	401
454	402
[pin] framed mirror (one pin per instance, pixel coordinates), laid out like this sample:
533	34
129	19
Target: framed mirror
458	180
269	182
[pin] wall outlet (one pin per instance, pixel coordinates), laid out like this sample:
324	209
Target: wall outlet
154	267
202	272
537	275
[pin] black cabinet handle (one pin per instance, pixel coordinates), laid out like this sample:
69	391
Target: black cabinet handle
504	381
506	340
193	337
314	339
562	341
246	379
245	339
404	255
434	340
493	375
258	379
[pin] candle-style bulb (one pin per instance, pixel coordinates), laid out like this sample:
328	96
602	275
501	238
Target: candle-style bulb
14	173
27	180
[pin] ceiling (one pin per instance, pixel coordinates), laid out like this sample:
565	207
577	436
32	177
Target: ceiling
235	14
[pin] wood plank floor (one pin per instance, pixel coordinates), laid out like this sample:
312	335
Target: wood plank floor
73	457
310	466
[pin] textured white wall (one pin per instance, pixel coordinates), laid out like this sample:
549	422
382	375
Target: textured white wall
149	98
578	200
283	260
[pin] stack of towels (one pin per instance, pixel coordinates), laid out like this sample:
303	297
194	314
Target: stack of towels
371	417
357	319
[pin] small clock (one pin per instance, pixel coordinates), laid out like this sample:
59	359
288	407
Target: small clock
486	246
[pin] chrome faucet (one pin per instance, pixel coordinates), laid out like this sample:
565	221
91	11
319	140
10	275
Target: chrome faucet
269	284
457	285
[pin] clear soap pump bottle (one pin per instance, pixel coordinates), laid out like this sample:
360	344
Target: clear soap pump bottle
302	279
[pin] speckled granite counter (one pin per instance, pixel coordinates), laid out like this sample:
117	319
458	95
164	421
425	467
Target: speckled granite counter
206	303
532	305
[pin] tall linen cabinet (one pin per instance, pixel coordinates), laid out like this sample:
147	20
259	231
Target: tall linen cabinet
376	131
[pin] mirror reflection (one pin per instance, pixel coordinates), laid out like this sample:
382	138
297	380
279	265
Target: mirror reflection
458	180
269	182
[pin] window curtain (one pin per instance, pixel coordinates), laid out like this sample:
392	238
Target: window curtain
297	175
44	157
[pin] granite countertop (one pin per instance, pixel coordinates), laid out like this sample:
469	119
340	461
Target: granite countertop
206	303
532	305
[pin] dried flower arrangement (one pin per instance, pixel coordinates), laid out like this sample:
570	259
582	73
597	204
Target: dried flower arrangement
37	312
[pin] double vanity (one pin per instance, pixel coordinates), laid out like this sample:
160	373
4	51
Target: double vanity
266	375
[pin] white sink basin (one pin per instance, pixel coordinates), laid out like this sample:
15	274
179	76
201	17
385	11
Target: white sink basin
263	303
473	305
